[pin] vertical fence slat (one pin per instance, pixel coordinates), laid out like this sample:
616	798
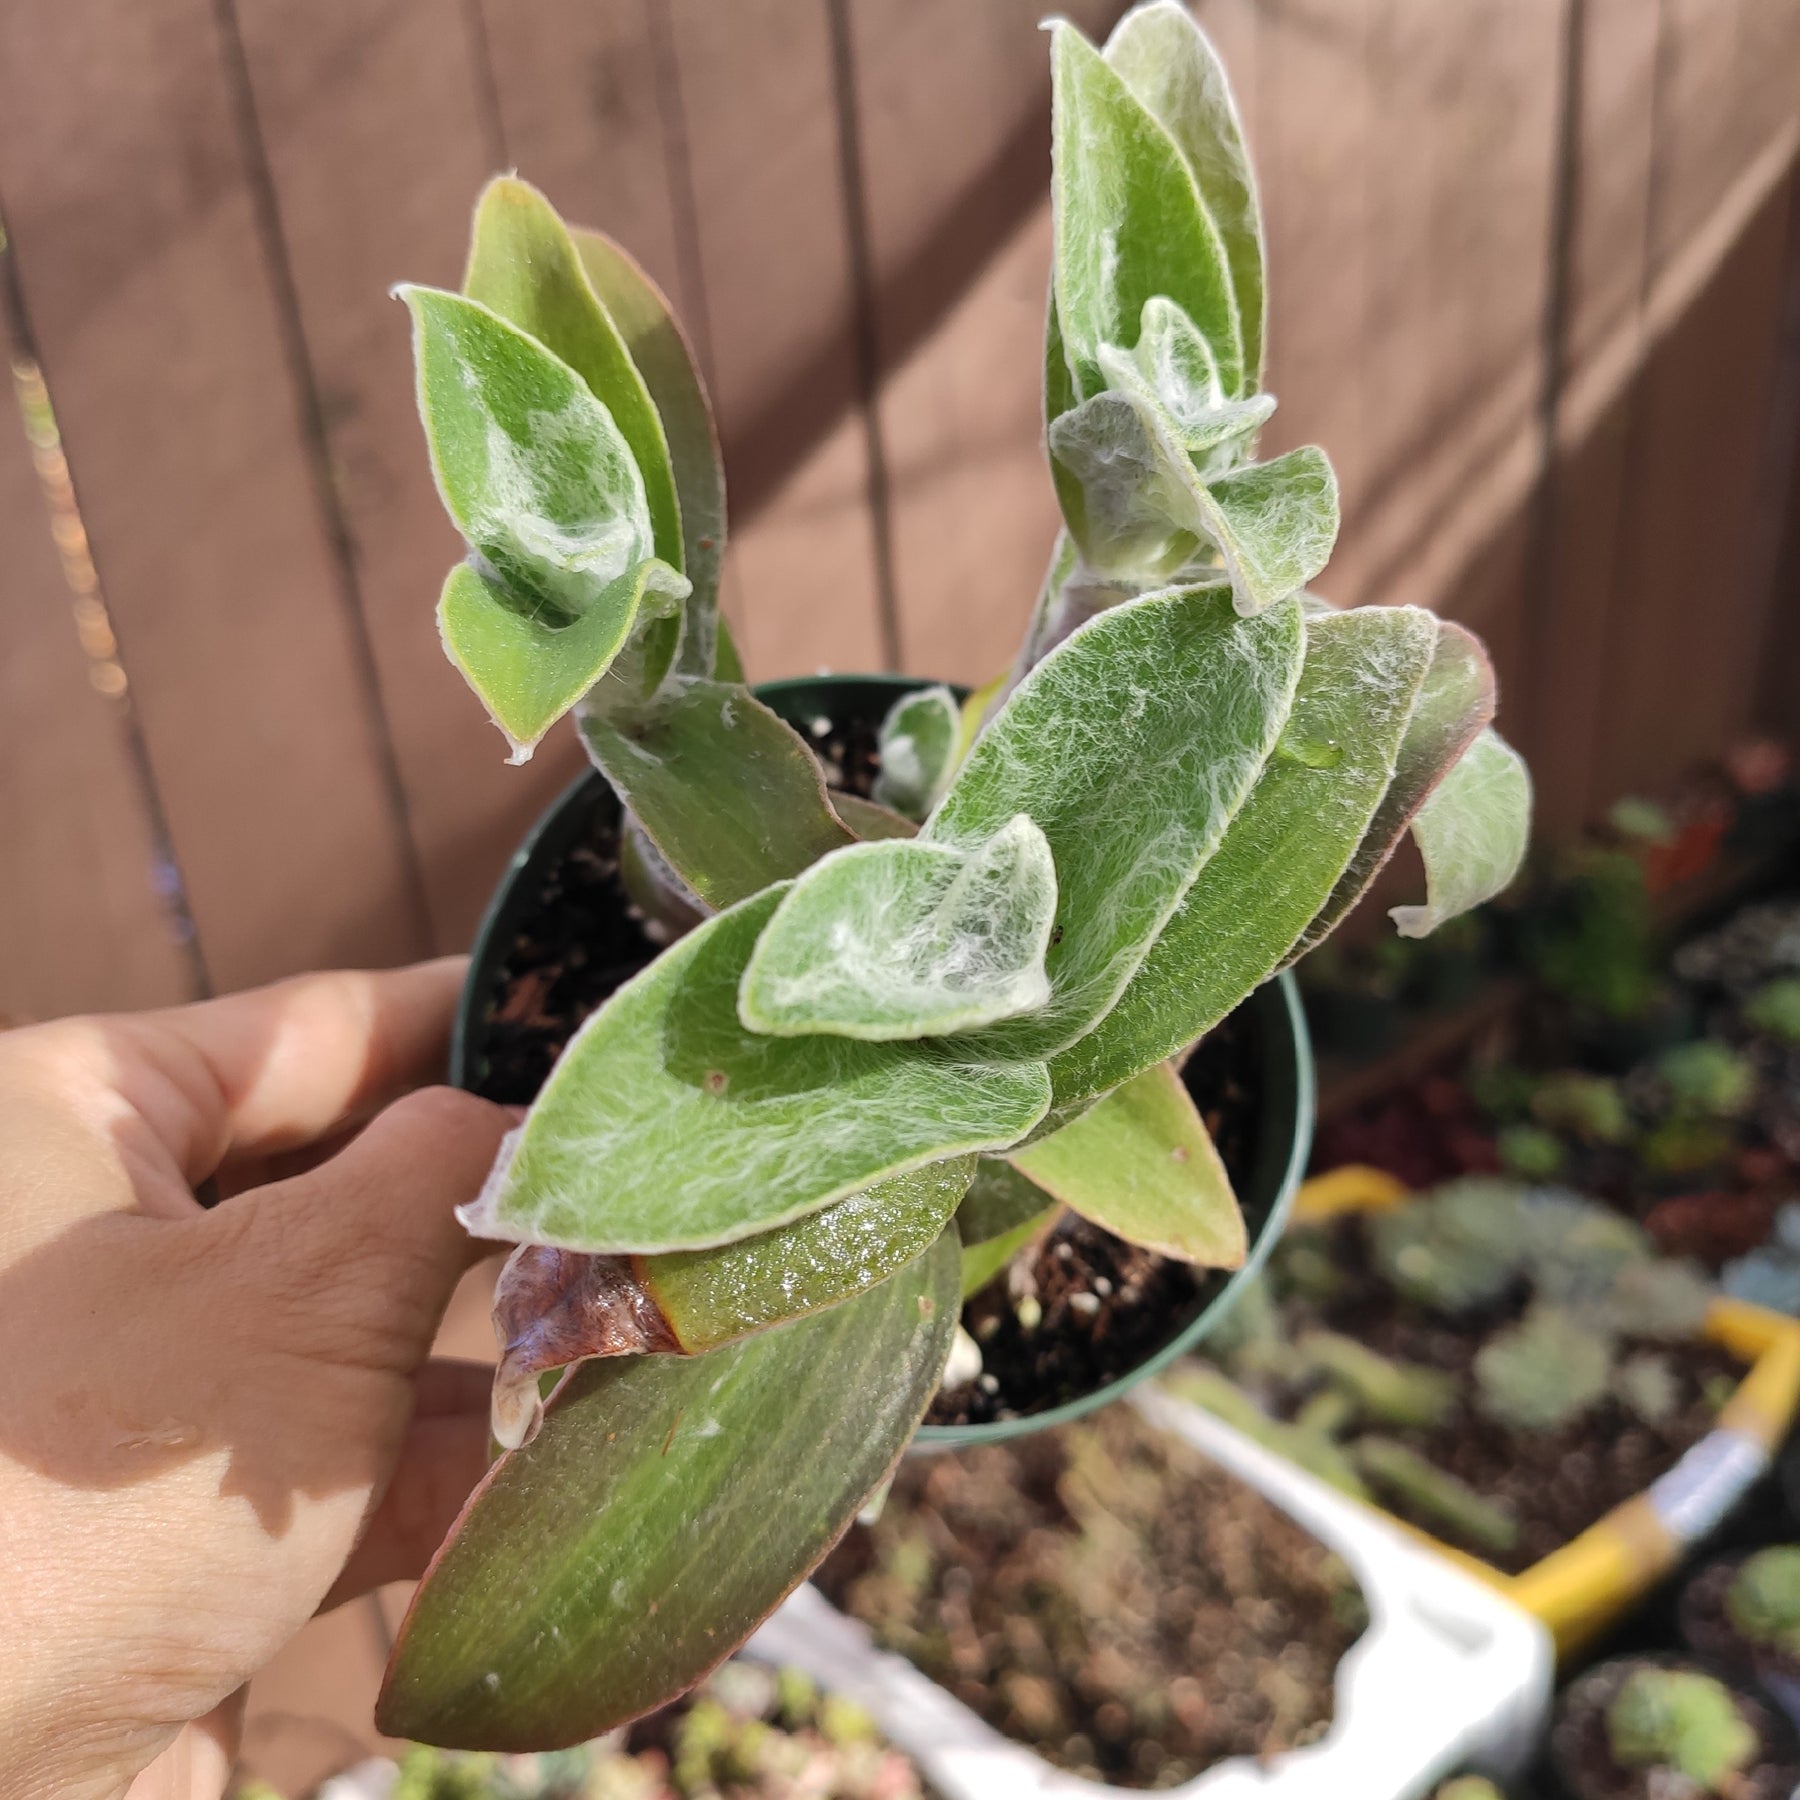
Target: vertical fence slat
137	239
1684	614
1312	151
972	513
81	925
375	141
582	114
757	92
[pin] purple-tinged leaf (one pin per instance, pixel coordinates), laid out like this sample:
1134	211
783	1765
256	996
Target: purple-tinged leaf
667	1507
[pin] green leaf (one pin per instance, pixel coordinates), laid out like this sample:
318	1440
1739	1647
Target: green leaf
1274	524
528	673
712	1296
557	1307
1128	492
666	1508
1129	222
726	791
1131	746
667	363
1454	702
1286	849
918	750
1174	367
531	466
523	266
1142	1164
1000	1199
870	822
907	940
1059	378
666	1126
1163	56
1472	832
1140	510
546	492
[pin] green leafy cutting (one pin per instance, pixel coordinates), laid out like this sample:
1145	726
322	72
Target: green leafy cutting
667	1125
925	981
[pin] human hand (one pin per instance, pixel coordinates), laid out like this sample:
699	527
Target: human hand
215	1422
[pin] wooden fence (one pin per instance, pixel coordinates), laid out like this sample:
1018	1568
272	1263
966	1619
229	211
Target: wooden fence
1533	264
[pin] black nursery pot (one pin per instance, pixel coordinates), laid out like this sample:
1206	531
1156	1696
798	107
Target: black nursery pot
1281	1071
1581	1761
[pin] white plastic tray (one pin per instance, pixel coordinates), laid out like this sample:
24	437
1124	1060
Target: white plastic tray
1449	1675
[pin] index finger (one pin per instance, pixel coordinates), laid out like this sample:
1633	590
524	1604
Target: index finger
280	1067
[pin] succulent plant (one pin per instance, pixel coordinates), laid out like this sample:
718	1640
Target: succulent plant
1769	1276
1385	1391
1590	1108
1529	1151
1708	1080
1664	1299
1574	1250
750	1731
1542	1373
1680	1720
1775	1008
1763	1600
1456	1248
1647	1387
1468	1787
1312	1449
1189	775
1437	1497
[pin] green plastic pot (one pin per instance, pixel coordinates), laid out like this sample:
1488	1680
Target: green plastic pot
1279	1042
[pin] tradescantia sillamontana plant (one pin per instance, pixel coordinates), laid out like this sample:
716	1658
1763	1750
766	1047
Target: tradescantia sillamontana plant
886	1035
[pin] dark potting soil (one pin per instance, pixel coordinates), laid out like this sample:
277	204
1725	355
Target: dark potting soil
1104	1594
1105	1304
1557	1483
1583	1757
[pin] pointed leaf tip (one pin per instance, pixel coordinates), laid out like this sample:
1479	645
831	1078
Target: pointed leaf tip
1472	833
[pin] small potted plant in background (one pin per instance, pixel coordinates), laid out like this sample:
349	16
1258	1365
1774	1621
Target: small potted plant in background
1743	1615
1639	1730
736	1195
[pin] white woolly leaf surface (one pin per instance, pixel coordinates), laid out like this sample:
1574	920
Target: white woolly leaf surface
1454	702
1141	510
1472	833
531	466
1131	746
1142	1165
1165	59
1173	366
907	939
665	1125
1285	851
1274	524
918	750
1130	222
544	488
523	265
663	356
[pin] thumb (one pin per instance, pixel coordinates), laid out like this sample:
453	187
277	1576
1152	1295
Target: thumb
366	1248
